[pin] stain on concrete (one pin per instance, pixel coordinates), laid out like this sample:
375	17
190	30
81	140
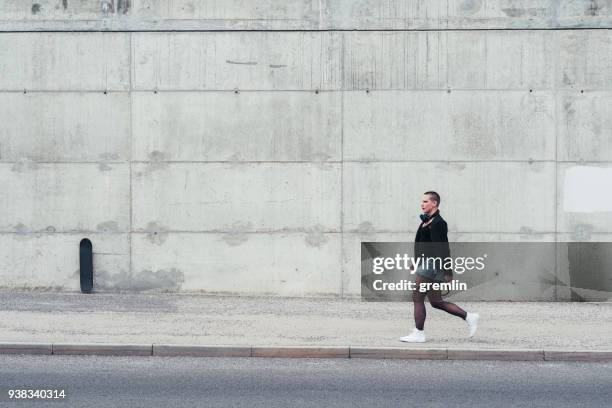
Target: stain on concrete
108	6
568	106
319	157
470	6
241	62
457	166
189	8
35	8
145	280
315	236
234	157
24	165
50	228
525	230
163	279
567	80
277	66
366	227
234	161
65	4
123	6
103	166
234	238
237	235
108	156
595	127
537	167
20	228
324	166
156	156
582	232
157	161
157	233
526	11
591	8
108	226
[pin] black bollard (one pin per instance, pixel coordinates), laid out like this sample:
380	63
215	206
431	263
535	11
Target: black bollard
86	261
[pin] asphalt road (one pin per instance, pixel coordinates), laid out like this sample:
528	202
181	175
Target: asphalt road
91	381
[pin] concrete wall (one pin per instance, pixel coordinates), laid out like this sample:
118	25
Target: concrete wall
302	14
230	157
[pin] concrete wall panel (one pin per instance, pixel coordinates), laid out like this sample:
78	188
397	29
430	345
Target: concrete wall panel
64	126
455	59
51	260
513	59
258	264
384	197
236	197
461	14
585	126
425	125
64	61
64	197
285	126
243	60
585	60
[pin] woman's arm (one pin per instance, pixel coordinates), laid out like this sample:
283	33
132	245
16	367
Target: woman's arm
439	236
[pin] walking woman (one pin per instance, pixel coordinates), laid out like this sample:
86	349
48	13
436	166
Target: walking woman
432	241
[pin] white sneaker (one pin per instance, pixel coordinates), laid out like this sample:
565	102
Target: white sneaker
472	322
417	336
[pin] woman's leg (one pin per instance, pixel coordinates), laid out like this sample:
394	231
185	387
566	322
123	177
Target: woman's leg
418	299
435	299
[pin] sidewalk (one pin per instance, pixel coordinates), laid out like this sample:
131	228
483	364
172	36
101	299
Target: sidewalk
180	319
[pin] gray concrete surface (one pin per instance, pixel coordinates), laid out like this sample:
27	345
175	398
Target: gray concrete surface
301	14
247	147
274	321
261	382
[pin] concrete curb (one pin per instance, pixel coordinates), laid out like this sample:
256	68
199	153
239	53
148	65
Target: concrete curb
496	354
178	350
26	348
399	352
175	350
103	349
578	355
300	351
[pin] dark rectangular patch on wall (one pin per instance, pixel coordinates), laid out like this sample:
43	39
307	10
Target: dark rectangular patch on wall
590	267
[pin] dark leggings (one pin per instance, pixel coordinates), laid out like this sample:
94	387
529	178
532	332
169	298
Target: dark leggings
435	299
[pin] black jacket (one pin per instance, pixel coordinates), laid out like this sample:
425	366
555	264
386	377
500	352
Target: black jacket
432	240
